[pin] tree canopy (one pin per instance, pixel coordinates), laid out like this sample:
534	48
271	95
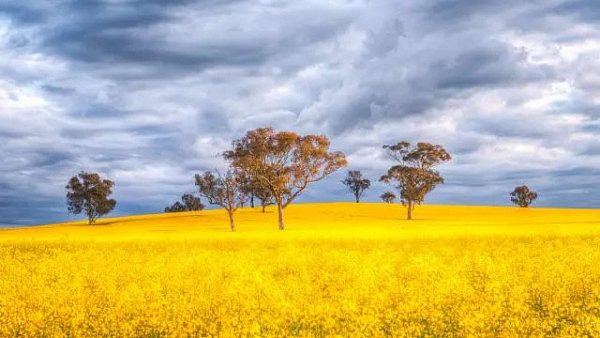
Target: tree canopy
413	176
523	196
388	197
224	191
356	184
88	193
284	162
188	202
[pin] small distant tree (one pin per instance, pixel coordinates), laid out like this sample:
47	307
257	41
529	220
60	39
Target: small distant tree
523	196
413	176
247	188
388	197
176	207
224	191
284	162
356	184
264	195
88	193
252	189
190	203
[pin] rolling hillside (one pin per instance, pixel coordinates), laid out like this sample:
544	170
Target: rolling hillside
329	219
339	269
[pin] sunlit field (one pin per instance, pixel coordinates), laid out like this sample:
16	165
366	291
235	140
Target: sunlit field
338	269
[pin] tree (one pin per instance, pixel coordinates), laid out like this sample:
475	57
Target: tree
190	203
224	191
176	207
523	196
259	190
263	194
285	163
356	184
253	188
413	176
388	197
87	193
247	188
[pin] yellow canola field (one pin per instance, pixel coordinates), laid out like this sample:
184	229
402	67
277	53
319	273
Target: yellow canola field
339	269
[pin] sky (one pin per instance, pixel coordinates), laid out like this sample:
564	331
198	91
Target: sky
149	92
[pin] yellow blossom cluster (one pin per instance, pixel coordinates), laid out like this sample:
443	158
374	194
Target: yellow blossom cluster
338	270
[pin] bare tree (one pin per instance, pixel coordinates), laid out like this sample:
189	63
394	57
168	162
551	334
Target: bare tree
224	191
413	176
388	197
284	162
189	203
87	193
356	184
523	196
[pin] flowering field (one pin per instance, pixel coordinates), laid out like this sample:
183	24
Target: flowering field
338	269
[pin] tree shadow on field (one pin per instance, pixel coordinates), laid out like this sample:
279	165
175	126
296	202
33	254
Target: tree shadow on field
404	220
258	211
138	219
578	222
215	228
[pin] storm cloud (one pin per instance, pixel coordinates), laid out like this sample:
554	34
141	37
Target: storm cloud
150	92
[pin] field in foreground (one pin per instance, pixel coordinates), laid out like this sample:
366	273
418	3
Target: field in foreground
341	268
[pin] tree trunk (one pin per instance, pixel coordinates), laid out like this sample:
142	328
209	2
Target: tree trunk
252	200
409	211
280	214
263	208
231	222
357	199
90	214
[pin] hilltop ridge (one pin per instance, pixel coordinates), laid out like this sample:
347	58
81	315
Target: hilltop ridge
328	219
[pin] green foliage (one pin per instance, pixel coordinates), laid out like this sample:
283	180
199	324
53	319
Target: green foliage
189	203
413	176
87	193
356	184
523	196
388	197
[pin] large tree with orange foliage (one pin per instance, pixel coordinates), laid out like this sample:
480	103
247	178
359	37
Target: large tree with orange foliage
284	162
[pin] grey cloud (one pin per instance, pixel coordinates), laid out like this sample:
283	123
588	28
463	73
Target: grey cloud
459	12
22	12
587	10
150	92
134	32
58	90
491	65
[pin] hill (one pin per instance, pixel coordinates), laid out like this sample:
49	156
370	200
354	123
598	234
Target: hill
329	219
339	269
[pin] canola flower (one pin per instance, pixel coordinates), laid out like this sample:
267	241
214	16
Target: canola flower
341	269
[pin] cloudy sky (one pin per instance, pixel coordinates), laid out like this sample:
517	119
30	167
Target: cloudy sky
148	92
